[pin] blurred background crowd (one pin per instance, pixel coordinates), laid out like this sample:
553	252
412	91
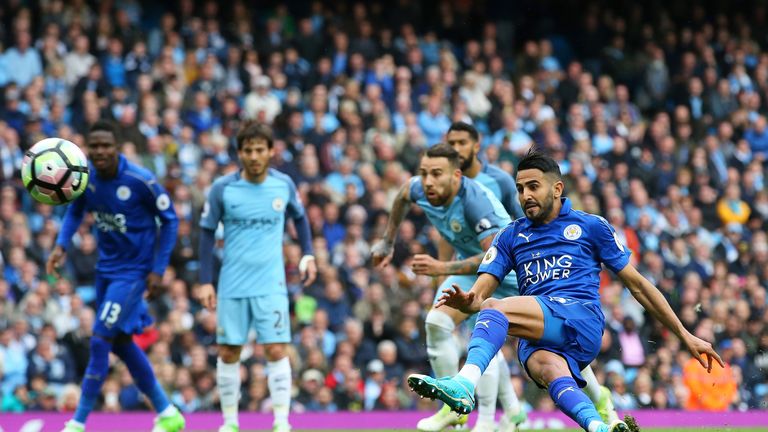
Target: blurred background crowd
655	111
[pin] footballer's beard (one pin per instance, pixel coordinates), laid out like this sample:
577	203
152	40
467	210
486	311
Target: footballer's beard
255	171
544	210
466	163
441	199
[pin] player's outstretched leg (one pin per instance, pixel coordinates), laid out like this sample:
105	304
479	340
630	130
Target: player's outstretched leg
600	396
444	359
95	373
168	419
458	392
514	415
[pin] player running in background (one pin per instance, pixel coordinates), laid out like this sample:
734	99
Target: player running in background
467	215
466	140
557	252
126	201
252	205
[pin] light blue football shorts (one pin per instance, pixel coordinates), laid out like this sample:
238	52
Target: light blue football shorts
268	315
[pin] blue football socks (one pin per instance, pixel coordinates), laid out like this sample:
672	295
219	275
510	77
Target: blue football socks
573	402
95	373
487	338
141	371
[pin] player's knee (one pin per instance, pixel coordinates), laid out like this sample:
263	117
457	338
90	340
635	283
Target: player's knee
98	363
544	371
491	303
438	323
275	352
229	353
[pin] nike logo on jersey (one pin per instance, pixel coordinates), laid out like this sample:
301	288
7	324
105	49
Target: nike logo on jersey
485	323
526	237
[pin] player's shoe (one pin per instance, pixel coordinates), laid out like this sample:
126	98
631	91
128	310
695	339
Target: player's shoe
229	428
281	427
510	423
72	426
631	423
457	392
484	427
441	420
171	423
618	426
605	406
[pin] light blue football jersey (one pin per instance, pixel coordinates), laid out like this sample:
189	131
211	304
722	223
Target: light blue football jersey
472	216
253	216
503	186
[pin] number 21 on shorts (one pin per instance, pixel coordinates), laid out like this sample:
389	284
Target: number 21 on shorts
110	313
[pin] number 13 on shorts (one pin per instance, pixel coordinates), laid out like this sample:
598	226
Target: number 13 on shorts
110	313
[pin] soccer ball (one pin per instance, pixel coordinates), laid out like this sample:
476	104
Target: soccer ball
54	171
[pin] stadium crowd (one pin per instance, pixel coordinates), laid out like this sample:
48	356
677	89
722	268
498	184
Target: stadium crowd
655	110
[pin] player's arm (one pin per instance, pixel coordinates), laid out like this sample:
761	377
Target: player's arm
480	215
162	207
307	265
494	267
615	256
209	221
445	253
654	302
72	220
381	252
425	264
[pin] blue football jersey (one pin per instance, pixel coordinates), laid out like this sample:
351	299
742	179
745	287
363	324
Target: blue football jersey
558	259
503	186
253	216
134	217
473	215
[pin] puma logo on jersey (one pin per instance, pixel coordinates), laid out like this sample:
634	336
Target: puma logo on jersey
565	390
526	237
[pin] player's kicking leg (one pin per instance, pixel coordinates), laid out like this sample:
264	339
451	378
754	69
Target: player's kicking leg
495	383
443	354
523	317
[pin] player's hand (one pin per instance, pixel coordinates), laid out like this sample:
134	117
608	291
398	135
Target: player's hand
381	253
702	351
454	297
56	261
308	269
207	296
424	264
154	285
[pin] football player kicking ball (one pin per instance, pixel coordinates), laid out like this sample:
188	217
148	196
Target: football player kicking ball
252	205
125	200
465	139
556	252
